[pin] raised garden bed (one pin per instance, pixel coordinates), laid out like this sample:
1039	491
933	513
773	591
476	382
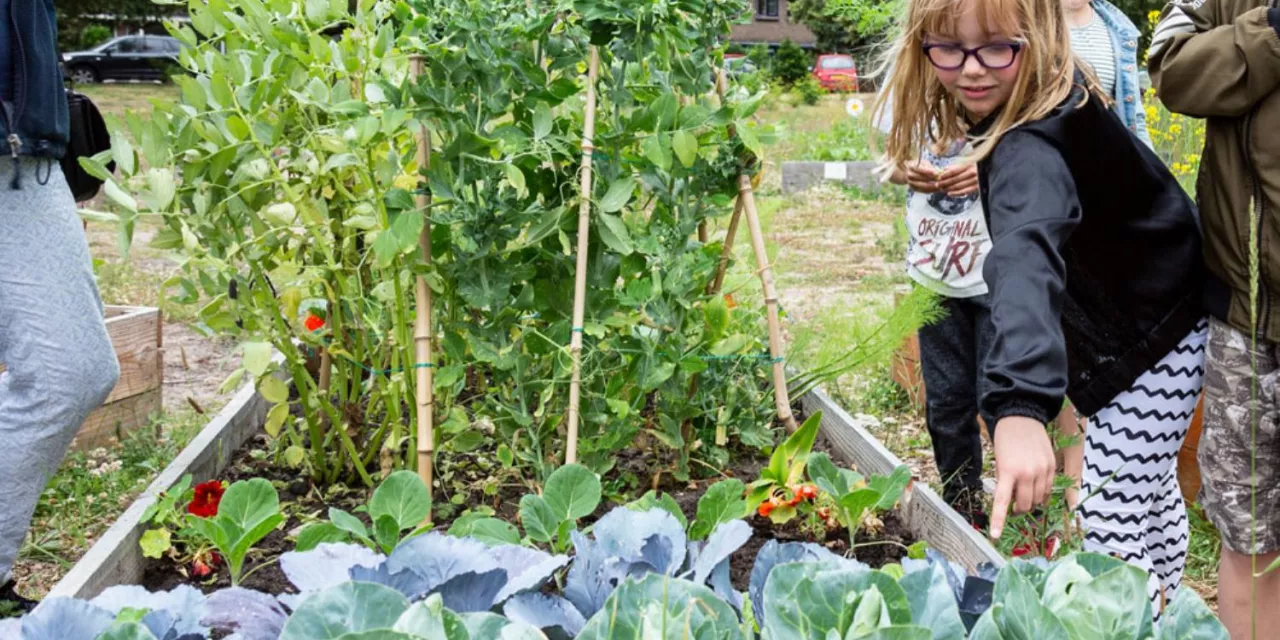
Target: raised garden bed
225	449
800	175
704	589
115	558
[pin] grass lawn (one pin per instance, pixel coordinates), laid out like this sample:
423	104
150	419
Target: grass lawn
116	99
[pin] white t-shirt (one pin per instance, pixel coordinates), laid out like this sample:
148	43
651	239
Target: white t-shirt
949	240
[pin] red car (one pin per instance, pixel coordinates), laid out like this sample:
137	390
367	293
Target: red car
836	72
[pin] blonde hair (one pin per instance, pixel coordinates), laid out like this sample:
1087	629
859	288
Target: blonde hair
922	110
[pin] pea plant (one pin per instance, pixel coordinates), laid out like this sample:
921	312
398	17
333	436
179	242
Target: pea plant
285	176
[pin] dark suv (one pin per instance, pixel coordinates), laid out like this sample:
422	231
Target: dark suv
125	58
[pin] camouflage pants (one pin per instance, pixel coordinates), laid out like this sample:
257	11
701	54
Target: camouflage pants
1240	465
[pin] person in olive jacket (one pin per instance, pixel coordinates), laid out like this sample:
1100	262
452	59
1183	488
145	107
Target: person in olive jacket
59	363
1220	60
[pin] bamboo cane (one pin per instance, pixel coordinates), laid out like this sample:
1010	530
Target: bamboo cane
747	204
727	249
580	279
776	350
422	322
718	282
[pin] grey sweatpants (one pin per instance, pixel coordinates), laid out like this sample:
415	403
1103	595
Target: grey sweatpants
53	341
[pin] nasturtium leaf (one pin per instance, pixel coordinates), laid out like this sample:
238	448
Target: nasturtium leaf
155	542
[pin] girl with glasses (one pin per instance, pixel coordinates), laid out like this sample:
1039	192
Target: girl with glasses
1095	271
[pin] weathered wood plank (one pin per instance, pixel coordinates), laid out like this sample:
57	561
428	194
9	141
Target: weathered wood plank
135	335
925	514
115	558
109	423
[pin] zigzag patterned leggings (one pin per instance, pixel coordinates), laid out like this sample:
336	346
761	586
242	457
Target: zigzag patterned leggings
1131	504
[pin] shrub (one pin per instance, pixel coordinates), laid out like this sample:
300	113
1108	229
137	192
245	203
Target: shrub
810	90
762	57
94	35
791	63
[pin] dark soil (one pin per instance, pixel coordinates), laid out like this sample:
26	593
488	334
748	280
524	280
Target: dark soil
462	479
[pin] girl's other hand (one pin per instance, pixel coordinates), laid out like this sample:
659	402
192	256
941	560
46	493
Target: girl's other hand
959	181
1025	467
922	177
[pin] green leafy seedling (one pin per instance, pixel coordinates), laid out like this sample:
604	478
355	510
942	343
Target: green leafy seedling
248	511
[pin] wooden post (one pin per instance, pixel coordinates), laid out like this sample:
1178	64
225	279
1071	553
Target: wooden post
422	323
747	205
580	272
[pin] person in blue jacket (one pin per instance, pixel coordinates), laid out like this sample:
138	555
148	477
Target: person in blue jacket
59	362
1107	40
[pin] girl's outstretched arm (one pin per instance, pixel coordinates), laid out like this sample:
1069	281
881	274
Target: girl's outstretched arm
1033	209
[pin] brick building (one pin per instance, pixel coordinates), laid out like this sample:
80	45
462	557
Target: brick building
770	25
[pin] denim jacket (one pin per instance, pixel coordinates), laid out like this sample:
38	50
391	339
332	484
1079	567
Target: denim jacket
36	122
1128	92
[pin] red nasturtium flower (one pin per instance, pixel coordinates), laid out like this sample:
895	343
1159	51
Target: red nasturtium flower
807	492
205	502
1021	550
313	322
729	301
768	506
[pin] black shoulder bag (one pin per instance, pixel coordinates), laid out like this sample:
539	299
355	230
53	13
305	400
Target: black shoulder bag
89	137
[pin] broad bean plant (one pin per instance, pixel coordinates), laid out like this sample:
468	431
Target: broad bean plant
285	176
